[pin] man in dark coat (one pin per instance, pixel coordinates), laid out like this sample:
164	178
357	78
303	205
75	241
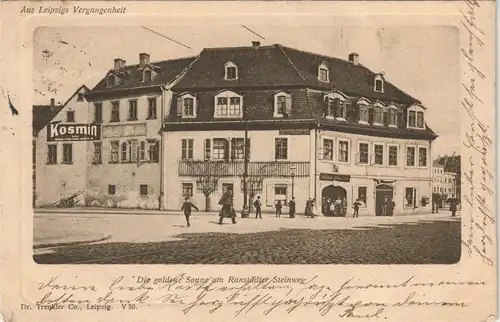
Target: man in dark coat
258	208
187	207
453	207
278	208
227	209
356	208
291	208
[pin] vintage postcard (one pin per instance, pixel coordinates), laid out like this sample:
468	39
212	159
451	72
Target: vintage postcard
274	161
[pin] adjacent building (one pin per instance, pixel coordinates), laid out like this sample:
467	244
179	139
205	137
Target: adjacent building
285	123
58	165
444	182
121	166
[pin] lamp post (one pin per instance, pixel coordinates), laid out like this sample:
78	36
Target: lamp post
245	212
292	170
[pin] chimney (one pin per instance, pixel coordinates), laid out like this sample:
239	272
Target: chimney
255	44
143	60
52	103
119	63
354	58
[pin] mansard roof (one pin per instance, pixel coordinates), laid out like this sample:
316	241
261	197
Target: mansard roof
280	66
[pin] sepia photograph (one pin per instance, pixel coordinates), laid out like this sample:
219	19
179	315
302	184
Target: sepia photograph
254	144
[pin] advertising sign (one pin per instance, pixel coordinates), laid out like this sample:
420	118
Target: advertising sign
73	132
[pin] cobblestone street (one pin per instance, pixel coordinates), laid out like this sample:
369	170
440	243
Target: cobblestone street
273	241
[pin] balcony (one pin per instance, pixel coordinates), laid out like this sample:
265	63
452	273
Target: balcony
266	169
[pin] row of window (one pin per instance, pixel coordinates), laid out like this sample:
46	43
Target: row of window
217	149
381	153
230	105
231	73
143	189
129	151
113	80
132	111
234	149
126	152
441	190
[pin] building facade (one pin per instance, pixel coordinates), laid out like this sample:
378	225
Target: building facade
444	183
122	168
59	166
289	124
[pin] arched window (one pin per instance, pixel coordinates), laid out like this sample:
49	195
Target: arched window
323	73
228	105
415	118
231	71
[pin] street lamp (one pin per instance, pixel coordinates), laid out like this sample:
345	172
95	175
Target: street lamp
245	212
292	170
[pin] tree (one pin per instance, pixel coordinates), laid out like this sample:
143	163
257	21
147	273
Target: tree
207	175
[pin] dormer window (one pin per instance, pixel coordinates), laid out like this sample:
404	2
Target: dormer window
393	111
282	104
228	105
147	75
378	110
363	111
379	84
323	73
336	106
416	117
231	71
111	80
186	106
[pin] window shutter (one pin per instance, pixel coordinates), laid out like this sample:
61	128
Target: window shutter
288	105
233	150
207	151
226	150
179	106
270	195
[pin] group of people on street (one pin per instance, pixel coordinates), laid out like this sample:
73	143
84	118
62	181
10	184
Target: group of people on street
227	210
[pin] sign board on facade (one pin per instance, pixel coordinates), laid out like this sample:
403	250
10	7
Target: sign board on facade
334	177
294	132
73	132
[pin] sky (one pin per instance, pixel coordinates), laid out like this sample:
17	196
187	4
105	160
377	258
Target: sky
422	61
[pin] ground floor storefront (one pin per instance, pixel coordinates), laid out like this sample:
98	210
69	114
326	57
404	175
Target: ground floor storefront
376	196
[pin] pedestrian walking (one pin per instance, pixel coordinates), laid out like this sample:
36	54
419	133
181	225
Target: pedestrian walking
356	208
291	208
227	210
258	208
187	207
278	208
307	210
453	207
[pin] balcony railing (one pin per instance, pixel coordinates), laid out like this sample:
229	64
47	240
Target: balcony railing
267	169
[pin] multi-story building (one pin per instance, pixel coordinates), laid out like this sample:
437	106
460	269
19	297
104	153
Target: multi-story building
452	164
59	166
314	126
129	103
444	183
